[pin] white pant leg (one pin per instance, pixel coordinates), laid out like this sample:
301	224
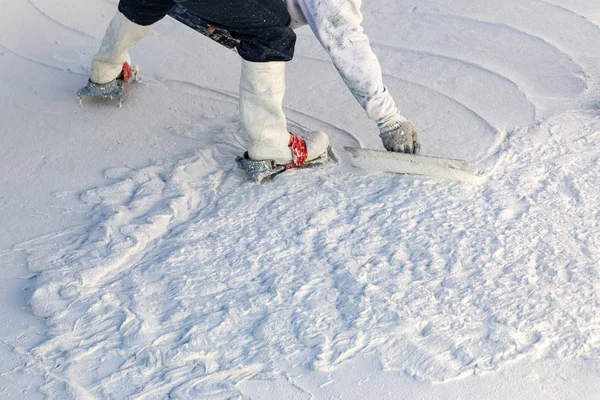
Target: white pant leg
337	24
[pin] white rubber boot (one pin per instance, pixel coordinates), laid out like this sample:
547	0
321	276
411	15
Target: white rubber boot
120	35
262	87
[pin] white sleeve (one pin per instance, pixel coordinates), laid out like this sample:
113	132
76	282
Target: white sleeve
337	24
296	13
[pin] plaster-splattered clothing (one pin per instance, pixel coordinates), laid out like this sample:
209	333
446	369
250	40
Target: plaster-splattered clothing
337	24
262	26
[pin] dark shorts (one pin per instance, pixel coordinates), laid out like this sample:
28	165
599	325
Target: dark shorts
261	26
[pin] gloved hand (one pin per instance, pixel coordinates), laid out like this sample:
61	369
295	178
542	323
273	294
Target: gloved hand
399	135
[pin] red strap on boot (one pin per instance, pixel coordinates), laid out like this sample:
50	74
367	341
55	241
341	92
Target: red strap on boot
126	71
300	150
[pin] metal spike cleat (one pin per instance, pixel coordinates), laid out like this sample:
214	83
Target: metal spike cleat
112	90
261	171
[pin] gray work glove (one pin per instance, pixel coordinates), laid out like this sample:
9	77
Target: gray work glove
399	135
